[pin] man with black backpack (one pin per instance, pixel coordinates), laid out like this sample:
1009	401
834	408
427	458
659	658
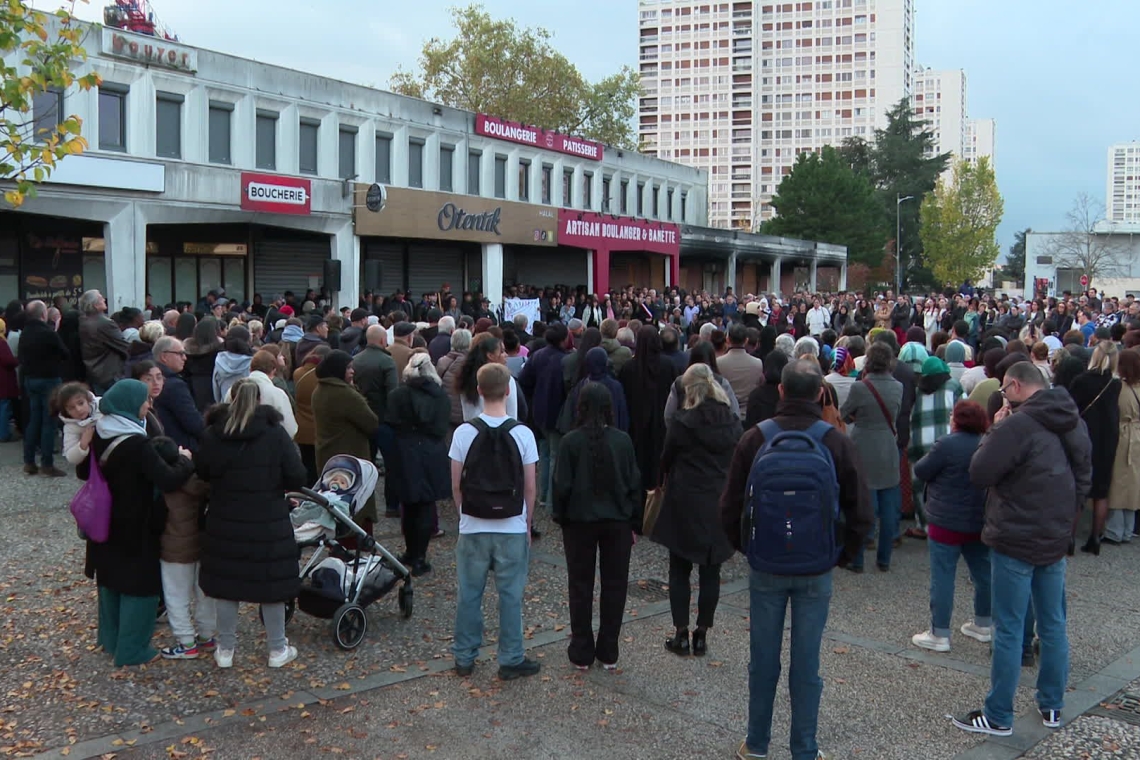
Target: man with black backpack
790	480
493	479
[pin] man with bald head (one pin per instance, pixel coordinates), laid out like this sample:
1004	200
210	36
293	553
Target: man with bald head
42	358
376	378
170	321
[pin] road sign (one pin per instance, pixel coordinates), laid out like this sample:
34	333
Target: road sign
1084	280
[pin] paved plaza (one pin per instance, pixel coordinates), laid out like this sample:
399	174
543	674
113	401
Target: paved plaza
395	697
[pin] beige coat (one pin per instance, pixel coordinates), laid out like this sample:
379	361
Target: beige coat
743	372
1124	492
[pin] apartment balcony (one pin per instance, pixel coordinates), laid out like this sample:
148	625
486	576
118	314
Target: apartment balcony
738	68
648	57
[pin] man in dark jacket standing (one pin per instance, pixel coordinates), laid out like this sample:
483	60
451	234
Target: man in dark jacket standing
42	356
541	381
352	337
801	386
105	351
375	377
175	406
1036	462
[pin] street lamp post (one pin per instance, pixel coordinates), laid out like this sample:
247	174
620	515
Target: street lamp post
899	201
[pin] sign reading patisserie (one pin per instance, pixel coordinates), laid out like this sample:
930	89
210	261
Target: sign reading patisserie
589	229
536	137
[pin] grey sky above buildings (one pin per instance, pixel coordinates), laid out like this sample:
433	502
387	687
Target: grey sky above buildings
1059	77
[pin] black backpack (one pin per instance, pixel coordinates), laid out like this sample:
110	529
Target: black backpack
492	479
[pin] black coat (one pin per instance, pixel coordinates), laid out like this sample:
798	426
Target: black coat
248	551
177	411
128	561
646	398
694	465
1098	398
42	353
419	412
199	372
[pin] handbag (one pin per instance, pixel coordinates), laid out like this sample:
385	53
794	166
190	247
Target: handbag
653	501
91	505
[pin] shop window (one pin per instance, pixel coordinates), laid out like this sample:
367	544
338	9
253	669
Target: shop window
415	163
500	176
47	112
168	125
524	179
220	118
588	190
474	171
113	117
446	168
384	159
307	137
547	180
266	148
623	197
346	139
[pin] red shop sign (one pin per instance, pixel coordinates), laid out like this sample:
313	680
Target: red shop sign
589	229
274	194
536	137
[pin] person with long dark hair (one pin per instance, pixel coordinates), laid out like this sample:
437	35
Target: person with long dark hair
486	349
202	349
597	367
597	501
647	380
574	363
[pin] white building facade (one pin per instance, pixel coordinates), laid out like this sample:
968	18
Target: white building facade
740	88
206	170
1122	198
940	99
981	141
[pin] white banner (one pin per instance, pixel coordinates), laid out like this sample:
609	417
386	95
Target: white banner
527	306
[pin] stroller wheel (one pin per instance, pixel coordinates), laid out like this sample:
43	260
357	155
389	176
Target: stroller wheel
406	598
349	625
290	608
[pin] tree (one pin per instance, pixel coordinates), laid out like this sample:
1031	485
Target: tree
494	67
36	58
823	199
1014	269
1088	245
959	222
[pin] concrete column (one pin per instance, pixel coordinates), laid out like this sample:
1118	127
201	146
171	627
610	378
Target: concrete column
774	278
125	259
346	250
730	273
493	274
589	268
601	272
812	274
843	276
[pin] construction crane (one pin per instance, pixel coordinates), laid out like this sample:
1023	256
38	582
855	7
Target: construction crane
136	16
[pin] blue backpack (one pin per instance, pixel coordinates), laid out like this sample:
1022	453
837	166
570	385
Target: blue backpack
791	505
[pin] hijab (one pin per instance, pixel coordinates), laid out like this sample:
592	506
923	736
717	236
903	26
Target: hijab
120	407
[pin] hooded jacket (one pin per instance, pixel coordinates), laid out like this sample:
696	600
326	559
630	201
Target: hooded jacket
419	413
199	371
952	501
618	354
1037	465
573	495
228	369
541	381
597	368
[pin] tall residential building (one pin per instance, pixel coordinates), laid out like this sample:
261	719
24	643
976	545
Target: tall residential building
741	88
940	100
980	137
1122	201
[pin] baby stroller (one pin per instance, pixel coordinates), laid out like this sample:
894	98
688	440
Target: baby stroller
337	583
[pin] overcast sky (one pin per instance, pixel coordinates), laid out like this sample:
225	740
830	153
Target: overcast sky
1058	76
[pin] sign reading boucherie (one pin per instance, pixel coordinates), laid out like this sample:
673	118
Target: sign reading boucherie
426	215
536	137
274	194
589	229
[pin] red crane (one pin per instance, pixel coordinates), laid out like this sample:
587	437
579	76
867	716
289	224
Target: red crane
136	16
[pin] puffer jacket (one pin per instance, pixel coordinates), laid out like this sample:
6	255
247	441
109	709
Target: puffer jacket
181	538
1037	465
952	502
449	368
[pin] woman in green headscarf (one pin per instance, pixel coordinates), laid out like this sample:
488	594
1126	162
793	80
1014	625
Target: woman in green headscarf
125	566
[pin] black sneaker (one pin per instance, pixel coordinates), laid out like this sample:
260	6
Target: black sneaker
464	670
976	722
1051	718
1028	659
420	567
522	670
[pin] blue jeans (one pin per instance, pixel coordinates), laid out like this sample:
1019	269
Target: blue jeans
888	510
810	596
476	556
547	457
40	430
1014	584
6	419
943	569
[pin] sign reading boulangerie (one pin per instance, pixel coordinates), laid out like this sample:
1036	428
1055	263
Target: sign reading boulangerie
427	215
591	230
536	137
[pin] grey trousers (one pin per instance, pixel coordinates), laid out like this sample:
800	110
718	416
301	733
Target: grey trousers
1119	525
273	614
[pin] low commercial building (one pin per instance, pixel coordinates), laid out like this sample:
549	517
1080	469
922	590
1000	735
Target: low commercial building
714	259
1056	262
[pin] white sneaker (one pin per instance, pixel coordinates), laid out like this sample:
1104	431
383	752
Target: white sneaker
927	640
282	657
224	657
981	633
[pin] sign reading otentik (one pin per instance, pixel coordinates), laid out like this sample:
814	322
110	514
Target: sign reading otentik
589	229
274	194
536	137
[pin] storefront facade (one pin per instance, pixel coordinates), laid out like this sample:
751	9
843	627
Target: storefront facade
623	250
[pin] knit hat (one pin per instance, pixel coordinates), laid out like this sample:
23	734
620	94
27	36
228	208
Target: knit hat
125	398
955	352
336	365
403	329
913	354
287	310
934	366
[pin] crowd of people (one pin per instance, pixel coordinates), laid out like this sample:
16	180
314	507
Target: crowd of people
987	420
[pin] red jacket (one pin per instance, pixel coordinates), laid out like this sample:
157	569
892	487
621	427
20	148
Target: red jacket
9	385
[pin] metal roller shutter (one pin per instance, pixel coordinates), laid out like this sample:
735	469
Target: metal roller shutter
429	267
280	265
391	258
545	266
